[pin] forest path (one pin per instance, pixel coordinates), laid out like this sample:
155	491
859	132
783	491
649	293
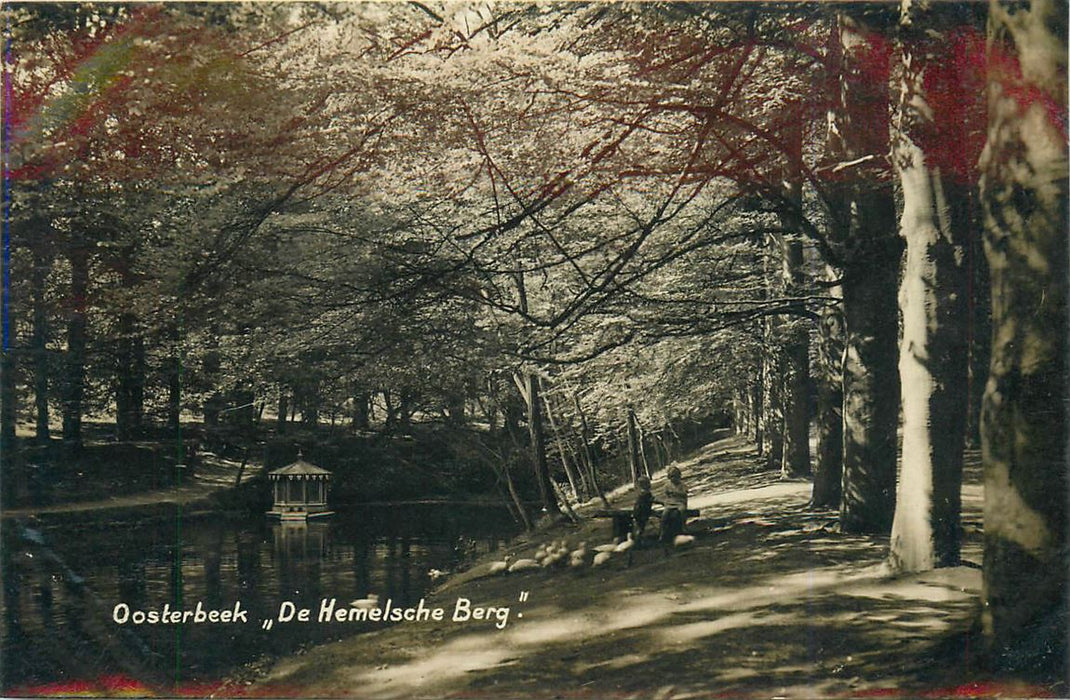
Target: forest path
213	474
769	600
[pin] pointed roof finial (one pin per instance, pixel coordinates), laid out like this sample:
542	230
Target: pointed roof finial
300	453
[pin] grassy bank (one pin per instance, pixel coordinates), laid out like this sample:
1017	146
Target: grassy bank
768	600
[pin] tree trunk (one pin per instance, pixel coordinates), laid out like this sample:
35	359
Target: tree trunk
828	465
518	503
796	458
310	404
758	403
42	266
750	396
871	252
361	414
538	444
773	430
211	375
748	401
870	397
455	413
741	413
512	430
241	467
658	447
773	368
174	382
588	455
391	419
980	326
932	352
74	375
633	450
575	481
1024	195
405	409
130	392
641	435
562	498
796	352
489	410
9	398
284	409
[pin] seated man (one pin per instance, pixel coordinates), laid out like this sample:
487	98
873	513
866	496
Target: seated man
644	506
672	520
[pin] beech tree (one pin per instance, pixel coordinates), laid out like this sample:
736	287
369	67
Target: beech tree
931	146
869	250
1024	194
796	352
828	419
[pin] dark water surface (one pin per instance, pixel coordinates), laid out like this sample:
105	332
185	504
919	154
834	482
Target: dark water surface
61	584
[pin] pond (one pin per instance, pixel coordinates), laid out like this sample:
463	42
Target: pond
67	587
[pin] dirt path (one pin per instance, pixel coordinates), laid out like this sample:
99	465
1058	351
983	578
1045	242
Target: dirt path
212	475
768	600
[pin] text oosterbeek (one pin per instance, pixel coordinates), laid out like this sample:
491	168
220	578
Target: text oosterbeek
122	615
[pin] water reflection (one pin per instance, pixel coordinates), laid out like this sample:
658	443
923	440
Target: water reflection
61	584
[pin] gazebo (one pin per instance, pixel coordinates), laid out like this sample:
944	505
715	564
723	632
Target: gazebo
300	491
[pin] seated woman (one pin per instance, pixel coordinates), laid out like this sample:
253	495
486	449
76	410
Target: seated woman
644	505
675	501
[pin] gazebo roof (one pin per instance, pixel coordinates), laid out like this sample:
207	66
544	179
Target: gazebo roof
300	468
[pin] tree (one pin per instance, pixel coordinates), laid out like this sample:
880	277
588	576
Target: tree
1024	195
938	78
140	135
869	252
796	353
77	307
828	423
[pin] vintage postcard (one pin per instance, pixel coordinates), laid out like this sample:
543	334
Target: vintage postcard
534	349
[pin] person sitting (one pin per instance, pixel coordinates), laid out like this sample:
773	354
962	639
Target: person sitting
675	502
644	506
